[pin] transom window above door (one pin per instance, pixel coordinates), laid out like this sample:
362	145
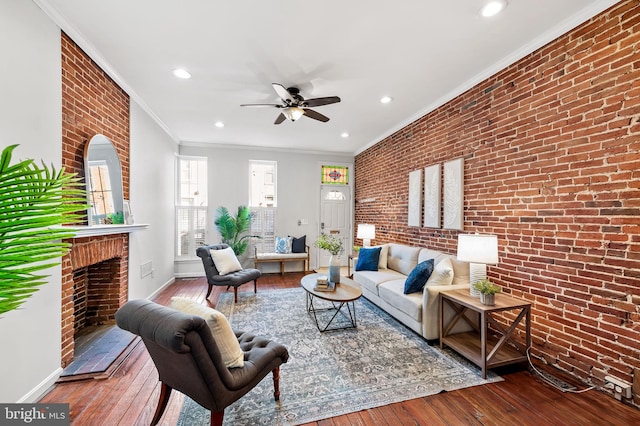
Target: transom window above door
335	175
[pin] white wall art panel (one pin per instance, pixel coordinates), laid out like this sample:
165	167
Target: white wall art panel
415	197
432	196
453	194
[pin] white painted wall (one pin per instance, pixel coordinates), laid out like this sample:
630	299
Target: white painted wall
31	115
152	183
298	191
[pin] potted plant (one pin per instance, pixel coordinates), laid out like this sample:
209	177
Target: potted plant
488	291
333	245
231	228
34	202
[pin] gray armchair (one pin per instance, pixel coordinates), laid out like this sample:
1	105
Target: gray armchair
188	359
234	279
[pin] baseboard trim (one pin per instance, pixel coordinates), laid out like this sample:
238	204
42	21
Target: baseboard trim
165	285
189	275
39	391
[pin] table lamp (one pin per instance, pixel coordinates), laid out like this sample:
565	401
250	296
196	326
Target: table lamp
479	251
366	232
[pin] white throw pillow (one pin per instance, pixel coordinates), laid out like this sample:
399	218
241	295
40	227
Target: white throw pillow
225	338
442	273
226	261
384	253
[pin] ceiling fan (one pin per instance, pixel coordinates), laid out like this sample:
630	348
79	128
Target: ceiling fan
295	106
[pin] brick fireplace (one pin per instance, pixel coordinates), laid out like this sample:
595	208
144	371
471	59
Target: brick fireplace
95	271
95	285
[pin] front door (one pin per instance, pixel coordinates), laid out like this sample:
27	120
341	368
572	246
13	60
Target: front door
335	220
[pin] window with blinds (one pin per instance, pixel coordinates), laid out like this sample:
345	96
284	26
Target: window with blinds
263	199
263	227
263	183
191	205
191	229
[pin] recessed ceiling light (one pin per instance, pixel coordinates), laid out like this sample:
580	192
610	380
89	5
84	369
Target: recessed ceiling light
219	124
493	7
180	73
344	135
385	99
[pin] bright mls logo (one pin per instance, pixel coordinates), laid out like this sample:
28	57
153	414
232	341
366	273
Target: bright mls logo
34	414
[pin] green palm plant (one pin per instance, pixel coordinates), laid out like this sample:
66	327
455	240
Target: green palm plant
232	228
34	201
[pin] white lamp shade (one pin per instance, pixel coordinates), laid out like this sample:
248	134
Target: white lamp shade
366	231
476	248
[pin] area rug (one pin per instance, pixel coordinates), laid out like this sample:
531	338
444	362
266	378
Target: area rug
335	373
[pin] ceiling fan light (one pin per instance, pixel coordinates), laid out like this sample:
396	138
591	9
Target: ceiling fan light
293	113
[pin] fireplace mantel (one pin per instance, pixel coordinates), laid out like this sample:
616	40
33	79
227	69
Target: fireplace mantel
97	230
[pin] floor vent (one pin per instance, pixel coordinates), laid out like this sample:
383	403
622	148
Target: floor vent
146	269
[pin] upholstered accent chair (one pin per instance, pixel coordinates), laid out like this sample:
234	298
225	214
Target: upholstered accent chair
188	359
233	279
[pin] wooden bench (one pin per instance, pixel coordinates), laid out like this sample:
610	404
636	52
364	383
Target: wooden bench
282	258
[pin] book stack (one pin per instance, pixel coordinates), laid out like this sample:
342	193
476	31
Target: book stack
323	284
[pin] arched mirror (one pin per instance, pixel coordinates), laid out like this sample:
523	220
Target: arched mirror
104	182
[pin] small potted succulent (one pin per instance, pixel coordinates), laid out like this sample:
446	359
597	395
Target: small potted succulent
487	291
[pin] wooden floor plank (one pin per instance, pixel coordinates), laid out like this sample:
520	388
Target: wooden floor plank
521	398
490	408
453	408
423	413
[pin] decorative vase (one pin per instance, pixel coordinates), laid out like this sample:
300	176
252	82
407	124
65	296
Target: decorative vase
488	299
334	269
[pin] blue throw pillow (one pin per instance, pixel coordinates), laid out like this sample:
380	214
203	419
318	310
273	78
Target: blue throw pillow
283	245
368	259
298	245
418	277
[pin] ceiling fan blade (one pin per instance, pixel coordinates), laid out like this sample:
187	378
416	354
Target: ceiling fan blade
280	119
262	105
316	115
283	93
321	101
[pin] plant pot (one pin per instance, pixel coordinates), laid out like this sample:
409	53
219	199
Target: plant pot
488	299
334	269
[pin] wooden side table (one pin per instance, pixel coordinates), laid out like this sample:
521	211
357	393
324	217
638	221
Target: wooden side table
477	346
351	264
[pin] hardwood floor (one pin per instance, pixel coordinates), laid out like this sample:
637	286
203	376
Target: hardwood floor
129	397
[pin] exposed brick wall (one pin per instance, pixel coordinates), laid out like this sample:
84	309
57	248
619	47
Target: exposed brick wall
80	285
92	103
552	166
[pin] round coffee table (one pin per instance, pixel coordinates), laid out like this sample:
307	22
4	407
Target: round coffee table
343	296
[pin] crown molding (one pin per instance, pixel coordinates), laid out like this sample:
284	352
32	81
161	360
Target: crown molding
553	33
215	145
93	53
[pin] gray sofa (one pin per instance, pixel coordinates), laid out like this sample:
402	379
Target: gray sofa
385	287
